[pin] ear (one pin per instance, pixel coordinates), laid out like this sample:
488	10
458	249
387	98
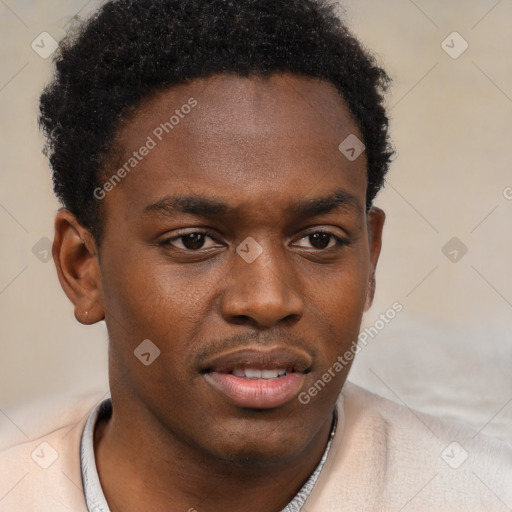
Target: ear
77	260
375	222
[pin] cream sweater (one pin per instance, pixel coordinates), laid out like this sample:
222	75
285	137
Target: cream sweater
384	457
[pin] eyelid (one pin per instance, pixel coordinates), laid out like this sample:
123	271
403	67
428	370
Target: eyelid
191	231
202	231
323	229
340	241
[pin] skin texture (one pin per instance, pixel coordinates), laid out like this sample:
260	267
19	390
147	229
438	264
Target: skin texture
260	146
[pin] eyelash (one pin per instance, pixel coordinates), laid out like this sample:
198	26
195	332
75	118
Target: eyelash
168	241
340	242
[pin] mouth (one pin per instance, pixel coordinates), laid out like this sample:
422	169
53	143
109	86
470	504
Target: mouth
257	379
264	373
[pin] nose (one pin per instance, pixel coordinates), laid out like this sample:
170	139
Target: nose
262	294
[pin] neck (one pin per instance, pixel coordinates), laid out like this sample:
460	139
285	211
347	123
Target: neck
143	468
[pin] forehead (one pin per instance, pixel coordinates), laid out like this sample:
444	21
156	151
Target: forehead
237	138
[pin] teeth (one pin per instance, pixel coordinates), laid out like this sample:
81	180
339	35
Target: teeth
251	373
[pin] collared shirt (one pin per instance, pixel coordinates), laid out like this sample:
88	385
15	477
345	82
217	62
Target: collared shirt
95	498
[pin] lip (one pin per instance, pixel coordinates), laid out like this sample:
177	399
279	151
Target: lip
275	357
258	393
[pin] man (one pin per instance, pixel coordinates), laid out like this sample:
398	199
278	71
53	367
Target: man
217	164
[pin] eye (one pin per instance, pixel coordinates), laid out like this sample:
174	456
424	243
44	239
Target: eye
322	240
192	241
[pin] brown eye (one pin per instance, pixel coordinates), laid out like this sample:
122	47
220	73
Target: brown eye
193	241
322	240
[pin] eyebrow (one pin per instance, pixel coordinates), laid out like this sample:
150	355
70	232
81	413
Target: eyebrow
339	200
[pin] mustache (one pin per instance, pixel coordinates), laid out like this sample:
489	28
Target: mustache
206	348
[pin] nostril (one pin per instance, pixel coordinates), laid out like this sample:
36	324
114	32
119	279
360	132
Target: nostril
242	319
291	319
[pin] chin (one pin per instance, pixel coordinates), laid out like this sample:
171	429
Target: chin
261	448
258	456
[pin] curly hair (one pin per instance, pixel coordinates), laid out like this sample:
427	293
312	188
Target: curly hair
130	49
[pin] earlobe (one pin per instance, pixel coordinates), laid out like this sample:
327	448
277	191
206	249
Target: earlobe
370	294
376	219
76	258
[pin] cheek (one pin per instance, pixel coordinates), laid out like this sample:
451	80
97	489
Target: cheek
342	311
150	301
151	297
337	302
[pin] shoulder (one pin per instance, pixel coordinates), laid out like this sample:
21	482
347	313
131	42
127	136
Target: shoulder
403	424
40	454
392	457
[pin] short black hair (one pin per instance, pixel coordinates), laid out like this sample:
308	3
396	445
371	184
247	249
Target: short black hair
130	49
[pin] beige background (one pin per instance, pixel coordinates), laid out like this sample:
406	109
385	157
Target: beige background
449	351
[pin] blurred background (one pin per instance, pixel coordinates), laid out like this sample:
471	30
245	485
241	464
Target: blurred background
448	239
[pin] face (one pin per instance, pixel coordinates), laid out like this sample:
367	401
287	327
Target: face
239	244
